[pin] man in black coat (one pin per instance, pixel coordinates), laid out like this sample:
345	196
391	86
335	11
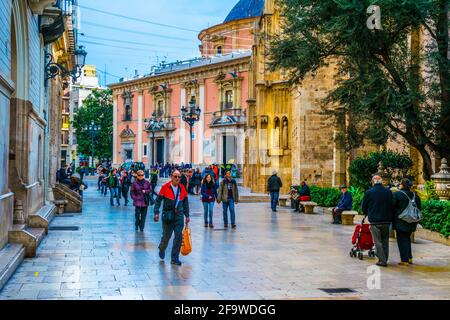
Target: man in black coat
273	187
377	205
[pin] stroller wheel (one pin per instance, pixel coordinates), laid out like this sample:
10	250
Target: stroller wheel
360	255
351	254
371	254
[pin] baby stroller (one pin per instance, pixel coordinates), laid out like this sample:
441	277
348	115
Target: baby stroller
362	240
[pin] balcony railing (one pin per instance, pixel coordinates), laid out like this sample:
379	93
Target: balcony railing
227	117
66	6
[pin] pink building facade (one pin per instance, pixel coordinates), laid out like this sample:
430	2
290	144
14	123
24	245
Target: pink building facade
218	82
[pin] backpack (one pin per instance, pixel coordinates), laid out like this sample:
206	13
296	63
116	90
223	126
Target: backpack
411	214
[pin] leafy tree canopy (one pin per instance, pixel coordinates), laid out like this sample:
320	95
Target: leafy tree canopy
388	82
96	108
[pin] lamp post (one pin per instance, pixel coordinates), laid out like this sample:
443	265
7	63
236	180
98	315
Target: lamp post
52	69
191	115
93	129
154	125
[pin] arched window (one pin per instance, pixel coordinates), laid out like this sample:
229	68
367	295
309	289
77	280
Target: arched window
219	50
128	103
160	109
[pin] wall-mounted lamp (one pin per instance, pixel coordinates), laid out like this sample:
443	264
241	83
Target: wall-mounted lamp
53	69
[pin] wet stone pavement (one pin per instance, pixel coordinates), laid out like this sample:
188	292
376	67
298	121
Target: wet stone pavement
269	256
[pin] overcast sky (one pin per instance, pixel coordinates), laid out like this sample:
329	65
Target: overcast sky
144	44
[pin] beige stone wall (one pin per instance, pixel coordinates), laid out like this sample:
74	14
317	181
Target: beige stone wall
311	152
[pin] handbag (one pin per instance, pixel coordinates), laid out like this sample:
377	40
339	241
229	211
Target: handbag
147	198
186	245
411	214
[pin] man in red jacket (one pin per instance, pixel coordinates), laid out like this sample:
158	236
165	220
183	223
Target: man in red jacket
175	212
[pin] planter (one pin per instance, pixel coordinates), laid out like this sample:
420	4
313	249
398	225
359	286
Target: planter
432	236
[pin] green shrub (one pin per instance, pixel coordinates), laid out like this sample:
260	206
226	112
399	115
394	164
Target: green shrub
429	193
325	197
397	166
436	216
357	198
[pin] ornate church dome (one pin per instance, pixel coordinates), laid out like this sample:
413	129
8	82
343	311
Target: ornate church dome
246	9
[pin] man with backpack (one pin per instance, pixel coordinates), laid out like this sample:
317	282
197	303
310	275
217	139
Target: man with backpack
154	181
228	194
125	182
407	205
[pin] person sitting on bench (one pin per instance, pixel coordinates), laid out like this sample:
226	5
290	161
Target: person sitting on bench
305	195
345	204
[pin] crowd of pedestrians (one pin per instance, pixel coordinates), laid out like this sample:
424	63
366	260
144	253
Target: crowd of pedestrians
172	199
382	207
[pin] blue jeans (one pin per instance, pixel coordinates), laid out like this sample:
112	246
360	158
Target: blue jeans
114	193
226	206
208	207
274	195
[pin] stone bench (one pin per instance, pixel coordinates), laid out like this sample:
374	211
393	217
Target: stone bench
309	206
282	201
348	217
61	205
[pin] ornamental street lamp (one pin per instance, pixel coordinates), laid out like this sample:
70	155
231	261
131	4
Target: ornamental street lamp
191	116
93	129
52	69
154	125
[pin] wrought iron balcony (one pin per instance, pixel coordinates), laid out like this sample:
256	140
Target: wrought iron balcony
229	117
169	124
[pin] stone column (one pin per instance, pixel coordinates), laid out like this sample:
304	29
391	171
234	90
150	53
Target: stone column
115	124
183	128
140	127
201	124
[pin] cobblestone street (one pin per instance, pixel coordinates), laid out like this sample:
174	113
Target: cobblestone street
269	256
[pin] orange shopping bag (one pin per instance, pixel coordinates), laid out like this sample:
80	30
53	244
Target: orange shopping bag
186	245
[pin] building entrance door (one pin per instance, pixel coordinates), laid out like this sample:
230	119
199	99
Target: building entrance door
160	151
229	148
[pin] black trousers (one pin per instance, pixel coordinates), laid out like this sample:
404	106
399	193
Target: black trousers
299	207
404	245
175	228
337	215
141	215
125	193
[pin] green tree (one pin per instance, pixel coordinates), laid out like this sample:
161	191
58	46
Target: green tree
386	83
97	107
396	165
